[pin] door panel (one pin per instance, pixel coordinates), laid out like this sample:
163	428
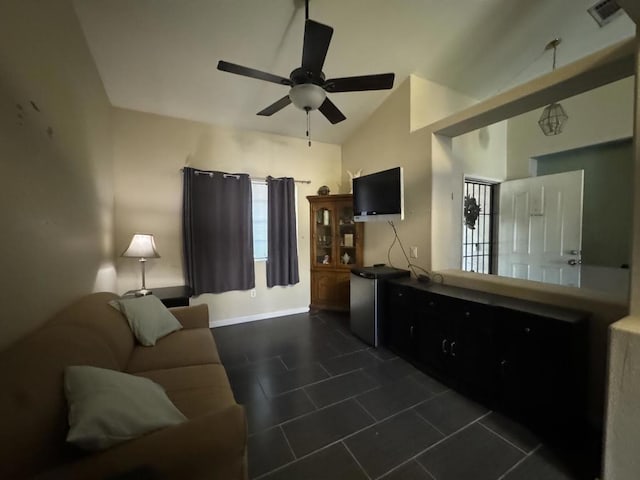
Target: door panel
541	228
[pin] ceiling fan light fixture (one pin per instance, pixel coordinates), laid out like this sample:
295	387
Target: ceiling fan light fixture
307	96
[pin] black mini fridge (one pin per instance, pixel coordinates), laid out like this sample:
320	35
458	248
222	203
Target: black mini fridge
367	292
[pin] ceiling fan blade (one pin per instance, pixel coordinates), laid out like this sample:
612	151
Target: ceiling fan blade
316	43
250	72
275	107
330	111
382	81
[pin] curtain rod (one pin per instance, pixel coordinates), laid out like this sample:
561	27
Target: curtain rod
259	179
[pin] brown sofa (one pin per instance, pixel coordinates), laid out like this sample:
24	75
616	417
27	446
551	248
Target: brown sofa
211	444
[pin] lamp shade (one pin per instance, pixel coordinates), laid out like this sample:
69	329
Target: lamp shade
553	119
142	246
307	96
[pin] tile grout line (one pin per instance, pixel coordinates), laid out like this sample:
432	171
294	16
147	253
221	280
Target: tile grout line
319	362
443	439
407	462
287	440
513	467
279	357
444	435
303	457
506	439
375	420
426	470
310	399
356	460
306	414
352	397
335	442
315	383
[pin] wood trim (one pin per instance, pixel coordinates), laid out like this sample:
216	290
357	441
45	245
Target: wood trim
330	198
605	66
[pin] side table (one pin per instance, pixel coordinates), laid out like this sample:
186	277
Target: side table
171	296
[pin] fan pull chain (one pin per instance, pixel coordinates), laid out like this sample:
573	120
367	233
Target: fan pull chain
308	126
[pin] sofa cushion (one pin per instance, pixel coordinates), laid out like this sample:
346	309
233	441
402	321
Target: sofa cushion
148	318
32	397
93	313
107	407
194	346
196	390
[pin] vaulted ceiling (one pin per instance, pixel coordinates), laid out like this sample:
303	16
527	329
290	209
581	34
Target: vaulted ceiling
160	56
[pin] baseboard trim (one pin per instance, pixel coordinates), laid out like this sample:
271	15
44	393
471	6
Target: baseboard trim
256	317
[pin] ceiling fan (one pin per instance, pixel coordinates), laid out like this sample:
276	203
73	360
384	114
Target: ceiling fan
308	84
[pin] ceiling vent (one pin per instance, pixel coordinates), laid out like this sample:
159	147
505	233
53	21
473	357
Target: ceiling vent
605	11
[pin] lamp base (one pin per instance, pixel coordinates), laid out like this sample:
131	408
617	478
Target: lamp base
142	292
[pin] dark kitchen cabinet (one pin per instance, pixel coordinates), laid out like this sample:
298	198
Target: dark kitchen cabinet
401	334
455	341
542	366
520	357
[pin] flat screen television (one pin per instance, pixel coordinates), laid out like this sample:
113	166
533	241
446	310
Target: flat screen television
379	196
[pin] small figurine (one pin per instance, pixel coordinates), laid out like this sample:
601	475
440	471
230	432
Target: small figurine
325	260
352	176
323	190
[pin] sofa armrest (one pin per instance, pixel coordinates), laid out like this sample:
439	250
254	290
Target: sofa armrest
212	446
196	316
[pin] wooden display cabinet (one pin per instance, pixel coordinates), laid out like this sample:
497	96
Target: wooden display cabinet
336	247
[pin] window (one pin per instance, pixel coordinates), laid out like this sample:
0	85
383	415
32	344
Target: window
259	211
477	229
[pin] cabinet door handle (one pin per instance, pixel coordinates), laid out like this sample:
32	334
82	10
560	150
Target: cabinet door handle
411	331
453	346
503	367
444	346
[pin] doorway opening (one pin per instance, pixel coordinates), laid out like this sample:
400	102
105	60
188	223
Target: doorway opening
478	226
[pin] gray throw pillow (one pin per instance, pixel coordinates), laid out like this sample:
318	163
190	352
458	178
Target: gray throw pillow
107	407
148	318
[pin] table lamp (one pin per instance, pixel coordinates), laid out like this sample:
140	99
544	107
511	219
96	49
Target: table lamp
142	247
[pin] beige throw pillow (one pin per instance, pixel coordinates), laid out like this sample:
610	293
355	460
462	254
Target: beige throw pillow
107	407
148	318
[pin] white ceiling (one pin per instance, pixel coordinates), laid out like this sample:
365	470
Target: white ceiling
160	56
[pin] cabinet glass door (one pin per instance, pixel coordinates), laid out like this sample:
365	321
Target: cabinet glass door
347	236
324	237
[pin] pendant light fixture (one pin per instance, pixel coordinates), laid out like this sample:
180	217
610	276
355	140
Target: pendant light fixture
553	118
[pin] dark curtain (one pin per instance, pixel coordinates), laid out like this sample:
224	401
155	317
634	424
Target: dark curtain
217	231
282	262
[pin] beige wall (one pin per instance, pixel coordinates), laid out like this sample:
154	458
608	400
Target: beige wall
597	116
150	150
483	152
393	136
430	101
56	196
621	460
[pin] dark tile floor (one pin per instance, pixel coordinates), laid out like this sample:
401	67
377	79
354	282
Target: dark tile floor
323	405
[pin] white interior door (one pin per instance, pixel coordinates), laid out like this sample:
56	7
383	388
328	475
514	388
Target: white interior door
540	228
